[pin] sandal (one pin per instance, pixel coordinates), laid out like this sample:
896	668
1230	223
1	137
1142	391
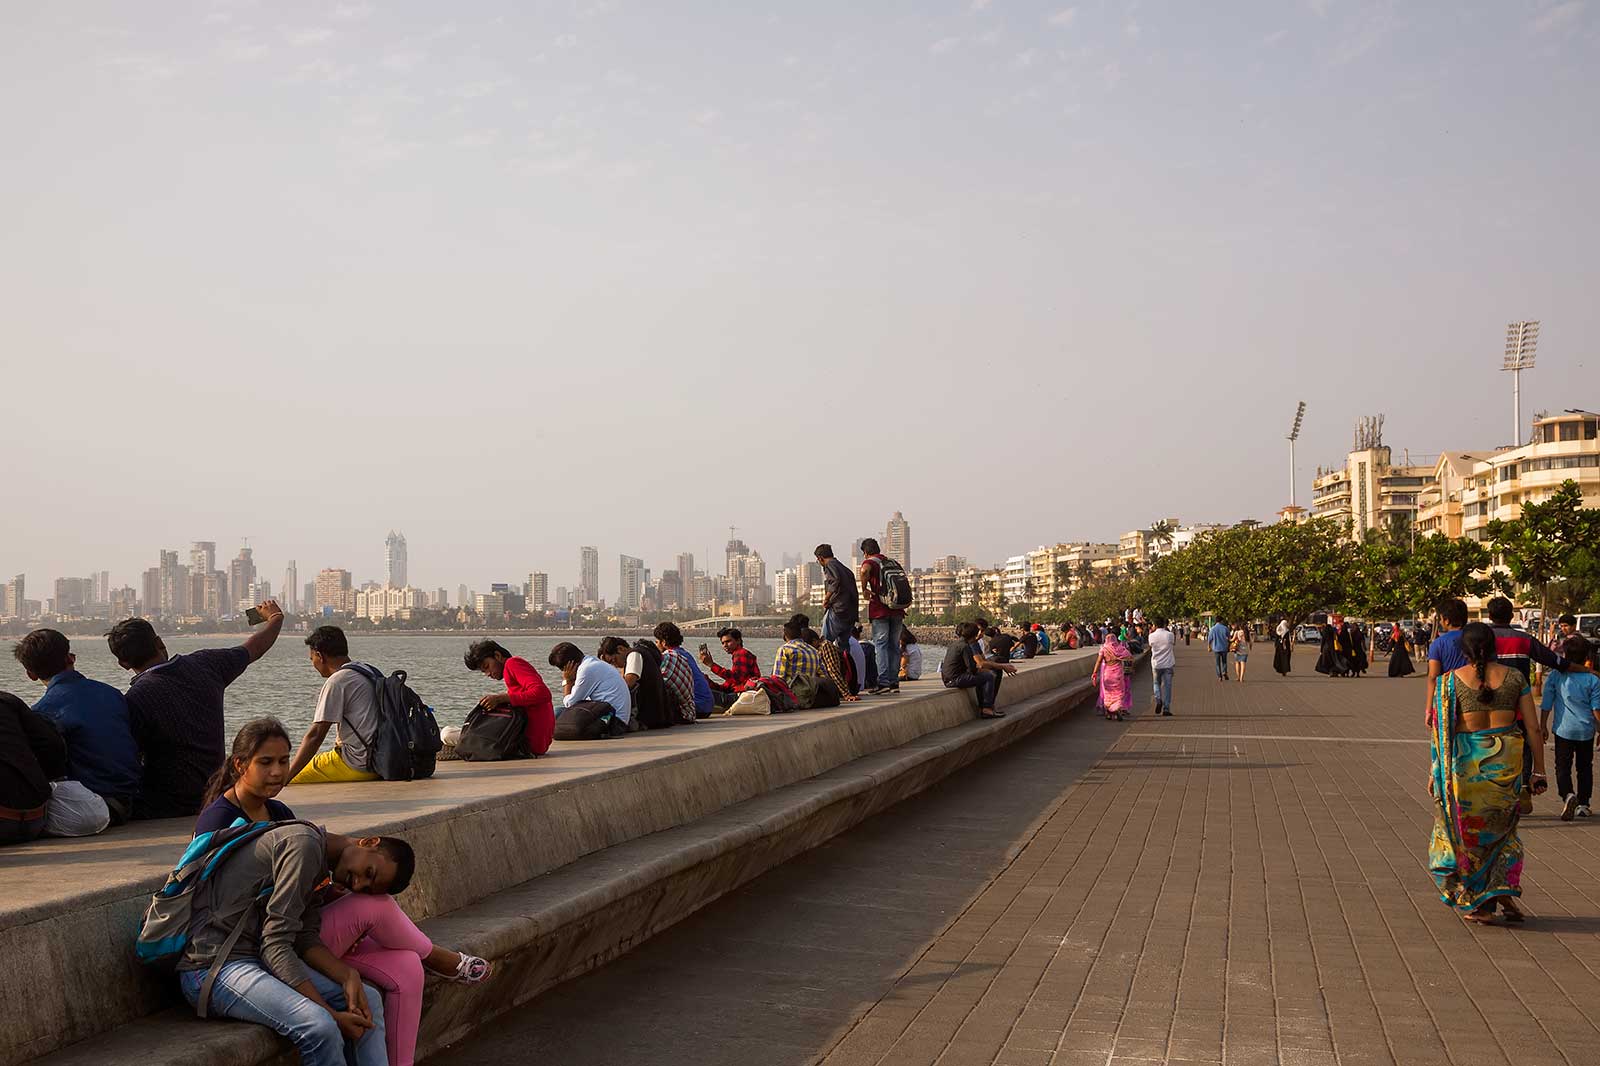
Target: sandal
1513	913
470	970
991	713
1479	917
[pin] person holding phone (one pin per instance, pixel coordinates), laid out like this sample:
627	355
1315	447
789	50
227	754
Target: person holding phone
175	704
734	678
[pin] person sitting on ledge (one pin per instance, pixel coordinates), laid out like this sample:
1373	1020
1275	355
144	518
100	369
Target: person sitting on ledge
865	656
744	668
678	675
92	717
365	929
798	665
175	704
525	689
910	656
595	702
348	701
964	667
32	754
830	665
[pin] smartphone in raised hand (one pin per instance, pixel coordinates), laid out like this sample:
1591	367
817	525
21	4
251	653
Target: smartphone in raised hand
254	616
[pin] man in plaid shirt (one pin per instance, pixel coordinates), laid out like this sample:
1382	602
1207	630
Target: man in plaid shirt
743	671
677	673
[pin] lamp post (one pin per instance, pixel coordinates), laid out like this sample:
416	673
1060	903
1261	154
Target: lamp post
1522	343
1294	435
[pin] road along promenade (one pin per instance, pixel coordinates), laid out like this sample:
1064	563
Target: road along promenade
547	867
1242	883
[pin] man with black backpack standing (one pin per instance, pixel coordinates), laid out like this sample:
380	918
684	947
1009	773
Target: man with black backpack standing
348	701
888	596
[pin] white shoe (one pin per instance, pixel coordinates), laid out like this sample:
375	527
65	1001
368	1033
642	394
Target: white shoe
1583	811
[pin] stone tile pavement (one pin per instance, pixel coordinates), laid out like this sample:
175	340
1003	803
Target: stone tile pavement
1244	883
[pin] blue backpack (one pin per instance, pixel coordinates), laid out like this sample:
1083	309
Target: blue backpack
165	933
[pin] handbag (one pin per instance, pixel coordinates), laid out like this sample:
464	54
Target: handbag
751	701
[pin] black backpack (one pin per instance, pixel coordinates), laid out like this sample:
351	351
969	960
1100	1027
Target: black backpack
407	741
895	586
489	736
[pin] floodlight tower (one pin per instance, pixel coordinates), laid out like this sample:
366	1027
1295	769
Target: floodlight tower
1522	343
1294	435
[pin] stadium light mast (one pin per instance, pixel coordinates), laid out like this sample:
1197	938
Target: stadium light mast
1522	344
1294	435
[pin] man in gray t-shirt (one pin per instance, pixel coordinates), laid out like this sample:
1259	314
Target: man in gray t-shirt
349	703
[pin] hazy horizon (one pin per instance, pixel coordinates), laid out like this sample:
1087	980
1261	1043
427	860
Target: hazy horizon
533	276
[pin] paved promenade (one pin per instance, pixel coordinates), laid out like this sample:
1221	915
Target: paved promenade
1244	883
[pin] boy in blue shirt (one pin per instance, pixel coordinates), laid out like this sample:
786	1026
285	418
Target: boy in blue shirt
1572	698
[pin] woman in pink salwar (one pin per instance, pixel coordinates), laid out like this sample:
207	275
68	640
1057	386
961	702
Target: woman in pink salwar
1115	695
369	932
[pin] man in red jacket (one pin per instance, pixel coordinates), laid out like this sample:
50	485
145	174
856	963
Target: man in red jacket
524	689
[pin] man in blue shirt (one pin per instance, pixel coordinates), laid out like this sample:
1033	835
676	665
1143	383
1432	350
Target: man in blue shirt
595	701
92	718
1217	638
1572	697
1445	654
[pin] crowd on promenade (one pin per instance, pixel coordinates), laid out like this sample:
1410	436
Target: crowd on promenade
298	930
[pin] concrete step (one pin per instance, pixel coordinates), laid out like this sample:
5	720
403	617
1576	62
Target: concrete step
557	924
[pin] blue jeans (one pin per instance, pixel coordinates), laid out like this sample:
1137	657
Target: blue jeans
1222	662
246	991
886	643
1161	681
838	630
987	682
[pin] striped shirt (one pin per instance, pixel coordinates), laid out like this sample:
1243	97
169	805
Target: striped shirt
677	678
798	664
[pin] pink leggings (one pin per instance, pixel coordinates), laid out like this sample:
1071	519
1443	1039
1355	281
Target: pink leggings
374	935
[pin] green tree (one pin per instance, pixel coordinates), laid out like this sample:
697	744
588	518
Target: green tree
1438	568
1538	547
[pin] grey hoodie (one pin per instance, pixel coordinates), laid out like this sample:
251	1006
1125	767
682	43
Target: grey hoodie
289	862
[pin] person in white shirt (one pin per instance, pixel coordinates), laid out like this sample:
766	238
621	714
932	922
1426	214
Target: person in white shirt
1163	660
596	702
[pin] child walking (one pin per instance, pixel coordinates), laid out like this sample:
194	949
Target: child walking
1572	698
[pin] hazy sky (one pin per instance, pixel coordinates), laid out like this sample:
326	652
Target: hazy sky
515	277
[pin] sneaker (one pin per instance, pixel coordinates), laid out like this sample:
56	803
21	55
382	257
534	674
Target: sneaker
1569	808
1583	811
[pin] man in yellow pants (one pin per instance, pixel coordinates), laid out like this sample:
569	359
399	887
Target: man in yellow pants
348	701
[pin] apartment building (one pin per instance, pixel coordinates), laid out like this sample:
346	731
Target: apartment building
1564	446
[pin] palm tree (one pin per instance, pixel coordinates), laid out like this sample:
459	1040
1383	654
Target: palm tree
1162	533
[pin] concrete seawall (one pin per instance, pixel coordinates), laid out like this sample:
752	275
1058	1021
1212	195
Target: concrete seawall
549	867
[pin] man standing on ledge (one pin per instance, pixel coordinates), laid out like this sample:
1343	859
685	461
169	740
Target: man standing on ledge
840	606
879	576
175	707
1217	638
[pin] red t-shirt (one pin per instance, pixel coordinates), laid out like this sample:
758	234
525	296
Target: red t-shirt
528	691
872	573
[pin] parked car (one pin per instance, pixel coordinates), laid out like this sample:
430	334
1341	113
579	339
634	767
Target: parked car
1308	635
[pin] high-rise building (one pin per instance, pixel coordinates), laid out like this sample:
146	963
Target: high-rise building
202	556
394	560
538	590
669	594
123	602
632	583
897	540
1369	491
588	574
102	587
150	592
463	599
686	579
214	601
734	549
785	587
334	591
241	575
440	599
291	588
747	579
563	598
72	595
174	590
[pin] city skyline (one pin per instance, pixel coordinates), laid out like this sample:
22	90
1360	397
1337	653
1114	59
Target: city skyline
1140	233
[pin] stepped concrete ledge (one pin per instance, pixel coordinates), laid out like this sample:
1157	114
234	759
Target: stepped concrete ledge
549	867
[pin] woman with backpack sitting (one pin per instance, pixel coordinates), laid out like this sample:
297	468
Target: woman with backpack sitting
362	926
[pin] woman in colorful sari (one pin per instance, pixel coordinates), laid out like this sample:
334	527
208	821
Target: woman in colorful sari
1483	723
1115	694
